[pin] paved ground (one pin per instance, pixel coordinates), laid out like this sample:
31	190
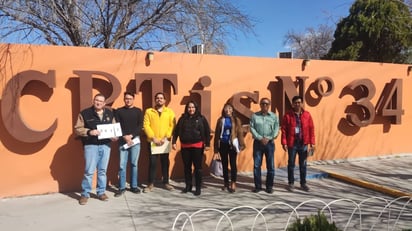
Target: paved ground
373	184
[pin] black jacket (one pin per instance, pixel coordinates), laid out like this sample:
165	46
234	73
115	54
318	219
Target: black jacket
192	130
91	120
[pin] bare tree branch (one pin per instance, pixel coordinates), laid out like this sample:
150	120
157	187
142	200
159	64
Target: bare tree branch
174	25
312	44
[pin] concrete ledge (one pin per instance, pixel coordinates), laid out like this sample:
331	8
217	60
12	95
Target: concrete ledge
368	185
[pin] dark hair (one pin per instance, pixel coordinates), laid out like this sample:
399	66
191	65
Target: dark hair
197	111
296	98
99	94
160	93
223	109
128	93
264	98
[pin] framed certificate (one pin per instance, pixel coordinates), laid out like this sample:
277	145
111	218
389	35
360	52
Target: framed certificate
108	131
165	148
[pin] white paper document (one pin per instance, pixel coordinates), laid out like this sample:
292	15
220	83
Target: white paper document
135	141
165	148
108	131
236	145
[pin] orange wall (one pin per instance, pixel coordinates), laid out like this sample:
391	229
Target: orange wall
56	164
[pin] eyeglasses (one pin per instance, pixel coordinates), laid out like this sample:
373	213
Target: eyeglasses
264	103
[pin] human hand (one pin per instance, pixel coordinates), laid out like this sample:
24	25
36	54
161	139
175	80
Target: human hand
162	141
128	139
94	132
285	147
217	156
156	141
311	147
114	138
311	150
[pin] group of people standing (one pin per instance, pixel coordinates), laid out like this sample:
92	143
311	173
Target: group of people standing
193	131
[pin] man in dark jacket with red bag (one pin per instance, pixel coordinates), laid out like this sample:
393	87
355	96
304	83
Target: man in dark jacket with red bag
298	136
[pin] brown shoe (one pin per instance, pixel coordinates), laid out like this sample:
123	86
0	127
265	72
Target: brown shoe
149	188
83	200
232	187
169	187
305	187
103	197
225	187
290	187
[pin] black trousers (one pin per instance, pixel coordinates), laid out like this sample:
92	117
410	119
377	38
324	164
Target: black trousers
227	153
164	161
192	156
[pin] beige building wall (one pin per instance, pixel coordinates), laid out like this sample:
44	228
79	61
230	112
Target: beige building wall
55	163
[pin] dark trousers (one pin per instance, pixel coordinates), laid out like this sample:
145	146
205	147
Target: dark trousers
227	153
302	151
260	150
192	156
164	161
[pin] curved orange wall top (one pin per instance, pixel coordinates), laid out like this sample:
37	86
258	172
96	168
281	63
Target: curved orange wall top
359	109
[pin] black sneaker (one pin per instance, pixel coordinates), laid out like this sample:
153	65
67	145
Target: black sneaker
305	187
119	193
269	190
187	189
256	190
135	190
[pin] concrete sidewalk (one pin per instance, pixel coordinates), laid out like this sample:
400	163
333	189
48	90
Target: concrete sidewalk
391	175
159	209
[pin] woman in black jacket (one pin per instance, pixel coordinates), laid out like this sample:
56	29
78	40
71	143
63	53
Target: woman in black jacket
194	133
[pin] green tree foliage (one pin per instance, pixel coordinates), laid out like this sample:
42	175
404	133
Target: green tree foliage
376	31
313	223
172	25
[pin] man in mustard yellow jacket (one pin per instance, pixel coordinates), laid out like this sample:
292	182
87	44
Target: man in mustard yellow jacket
158	124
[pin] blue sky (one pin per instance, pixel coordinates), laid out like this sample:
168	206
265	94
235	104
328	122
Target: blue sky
276	17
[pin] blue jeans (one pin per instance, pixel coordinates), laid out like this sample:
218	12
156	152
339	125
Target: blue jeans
303	154
131	154
96	158
258	151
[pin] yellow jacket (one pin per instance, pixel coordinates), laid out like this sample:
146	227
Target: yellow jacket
158	126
